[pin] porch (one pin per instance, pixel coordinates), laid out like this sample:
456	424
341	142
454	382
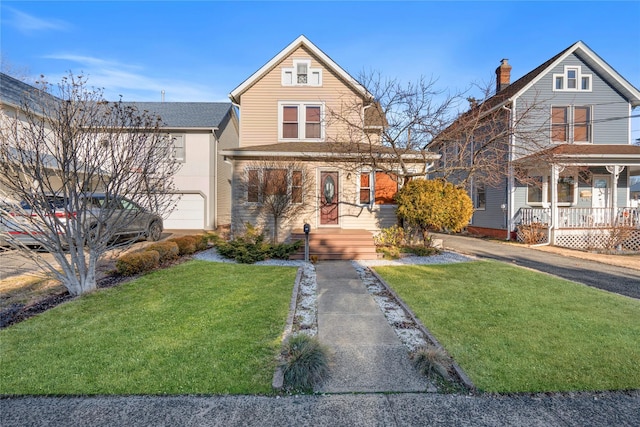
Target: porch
581	228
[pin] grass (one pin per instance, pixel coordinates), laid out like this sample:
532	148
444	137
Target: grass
196	328
26	289
515	330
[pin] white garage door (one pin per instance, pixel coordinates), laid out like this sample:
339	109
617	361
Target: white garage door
188	214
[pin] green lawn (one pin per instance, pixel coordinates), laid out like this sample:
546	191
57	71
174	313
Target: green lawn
515	330
197	328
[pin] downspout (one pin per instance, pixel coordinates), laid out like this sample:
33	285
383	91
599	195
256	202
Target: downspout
510	177
215	178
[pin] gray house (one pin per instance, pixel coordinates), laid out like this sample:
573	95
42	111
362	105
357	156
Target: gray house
571	176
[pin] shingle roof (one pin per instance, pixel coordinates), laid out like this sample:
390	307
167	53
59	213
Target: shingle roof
187	114
14	92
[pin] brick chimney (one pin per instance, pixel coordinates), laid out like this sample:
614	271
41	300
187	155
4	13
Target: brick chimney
503	75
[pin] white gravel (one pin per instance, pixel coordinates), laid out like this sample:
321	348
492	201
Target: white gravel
306	315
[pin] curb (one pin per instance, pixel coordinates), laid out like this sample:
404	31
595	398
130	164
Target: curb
464	378
277	383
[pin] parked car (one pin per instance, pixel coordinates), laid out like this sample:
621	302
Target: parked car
15	225
130	218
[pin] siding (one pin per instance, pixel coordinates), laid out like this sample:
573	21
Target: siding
227	138
608	105
259	104
351	214
492	216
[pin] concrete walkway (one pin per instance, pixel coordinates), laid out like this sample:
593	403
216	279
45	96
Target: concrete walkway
367	354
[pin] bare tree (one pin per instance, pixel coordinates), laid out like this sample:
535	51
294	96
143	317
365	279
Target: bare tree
401	126
277	192
390	130
60	146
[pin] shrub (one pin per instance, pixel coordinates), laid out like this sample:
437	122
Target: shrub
137	262
389	252
168	250
202	241
391	236
306	363
186	244
533	233
432	361
422	250
284	250
436	204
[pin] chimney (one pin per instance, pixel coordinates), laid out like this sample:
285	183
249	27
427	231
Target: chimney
503	75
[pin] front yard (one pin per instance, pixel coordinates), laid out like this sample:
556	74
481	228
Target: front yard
196	328
516	330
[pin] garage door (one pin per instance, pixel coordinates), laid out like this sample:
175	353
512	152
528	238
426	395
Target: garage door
188	214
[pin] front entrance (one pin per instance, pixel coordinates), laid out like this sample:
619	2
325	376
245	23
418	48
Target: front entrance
601	199
328	192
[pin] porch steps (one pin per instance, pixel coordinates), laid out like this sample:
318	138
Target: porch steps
337	244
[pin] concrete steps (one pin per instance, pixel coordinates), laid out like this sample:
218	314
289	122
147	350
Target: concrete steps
337	244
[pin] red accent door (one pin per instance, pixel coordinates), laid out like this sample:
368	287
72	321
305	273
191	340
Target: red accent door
328	198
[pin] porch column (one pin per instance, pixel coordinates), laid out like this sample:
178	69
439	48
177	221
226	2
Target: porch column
615	174
555	173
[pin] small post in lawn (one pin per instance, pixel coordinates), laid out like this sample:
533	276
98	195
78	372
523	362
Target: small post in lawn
306	228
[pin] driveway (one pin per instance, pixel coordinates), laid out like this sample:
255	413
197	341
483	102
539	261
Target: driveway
572	265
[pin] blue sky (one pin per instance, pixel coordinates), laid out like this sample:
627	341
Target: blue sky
200	51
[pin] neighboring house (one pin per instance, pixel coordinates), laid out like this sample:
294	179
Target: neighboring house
199	131
285	110
577	185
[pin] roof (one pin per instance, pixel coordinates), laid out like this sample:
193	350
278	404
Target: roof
14	92
186	114
236	93
588	155
318	149
588	56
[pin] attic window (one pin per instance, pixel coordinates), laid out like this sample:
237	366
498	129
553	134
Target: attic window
572	80
301	74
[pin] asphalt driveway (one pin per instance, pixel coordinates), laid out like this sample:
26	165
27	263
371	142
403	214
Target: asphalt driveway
621	280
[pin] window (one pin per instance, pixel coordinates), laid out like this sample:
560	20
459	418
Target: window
480	197
534	191
301	121
571	124
539	191
569	79
301	74
382	186
178	147
263	183
365	188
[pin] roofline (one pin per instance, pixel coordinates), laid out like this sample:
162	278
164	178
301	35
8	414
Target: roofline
300	41
257	153
597	59
211	128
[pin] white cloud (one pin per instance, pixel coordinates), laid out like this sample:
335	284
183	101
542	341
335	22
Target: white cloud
131	81
30	24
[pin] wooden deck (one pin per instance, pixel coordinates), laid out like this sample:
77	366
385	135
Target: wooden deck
337	243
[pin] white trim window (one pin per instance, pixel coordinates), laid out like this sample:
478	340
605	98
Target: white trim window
479	196
276	182
179	152
571	124
379	188
539	192
301	74
572	80
300	121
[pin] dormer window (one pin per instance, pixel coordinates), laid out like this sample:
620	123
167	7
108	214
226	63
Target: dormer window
572	79
301	74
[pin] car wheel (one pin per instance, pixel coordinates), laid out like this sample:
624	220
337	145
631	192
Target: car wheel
154	232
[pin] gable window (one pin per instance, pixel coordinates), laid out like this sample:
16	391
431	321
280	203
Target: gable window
301	121
301	74
572	79
571	124
480	197
379	187
262	183
178	147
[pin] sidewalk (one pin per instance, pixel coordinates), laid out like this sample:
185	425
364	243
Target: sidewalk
367	354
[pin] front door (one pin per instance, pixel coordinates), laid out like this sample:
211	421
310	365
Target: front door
601	199
328	198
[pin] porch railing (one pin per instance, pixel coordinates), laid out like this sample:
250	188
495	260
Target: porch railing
581	217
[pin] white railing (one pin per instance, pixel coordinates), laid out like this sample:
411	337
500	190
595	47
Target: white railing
582	217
